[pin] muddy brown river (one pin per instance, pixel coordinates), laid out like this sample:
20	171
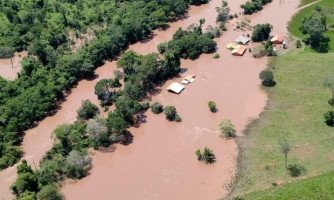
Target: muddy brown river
161	163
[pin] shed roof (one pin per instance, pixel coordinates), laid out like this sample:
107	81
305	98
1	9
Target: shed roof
239	51
242	40
175	87
277	39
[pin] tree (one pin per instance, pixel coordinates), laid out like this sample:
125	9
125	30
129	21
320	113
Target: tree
49	192
157	108
77	165
98	133
267	78
170	112
207	156
104	90
6	52
285	149
212	106
261	32
227	129
116	124
329	118
315	26
26	180
126	108
87	110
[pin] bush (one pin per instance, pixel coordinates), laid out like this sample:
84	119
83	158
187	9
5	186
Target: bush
6	52
178	118
157	108
77	165
170	112
227	129
298	44
296	170
212	106
49	192
216	56
87	110
207	156
145	105
329	118
261	32
267	78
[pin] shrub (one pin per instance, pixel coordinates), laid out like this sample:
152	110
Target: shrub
178	118
170	112
296	170
216	56
227	129
157	108
261	32
267	78
207	156
145	105
6	52
77	165
298	44
87	110
49	192
212	106
329	118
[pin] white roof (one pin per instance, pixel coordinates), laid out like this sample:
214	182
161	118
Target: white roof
175	87
242	39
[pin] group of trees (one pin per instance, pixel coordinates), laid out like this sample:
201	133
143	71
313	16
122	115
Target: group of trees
54	68
315	27
261	32
189	43
253	6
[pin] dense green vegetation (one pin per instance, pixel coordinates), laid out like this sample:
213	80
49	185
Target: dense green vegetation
206	156
294	113
318	187
253	6
42	27
261	32
320	20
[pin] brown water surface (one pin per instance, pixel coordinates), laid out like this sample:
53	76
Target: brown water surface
160	163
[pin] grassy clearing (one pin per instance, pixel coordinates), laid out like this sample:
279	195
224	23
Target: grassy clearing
306	12
318	187
295	112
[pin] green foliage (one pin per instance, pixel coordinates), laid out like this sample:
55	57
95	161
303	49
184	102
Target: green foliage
329	118
87	110
26	180
296	170
267	78
49	192
157	108
261	32
212	106
253	6
206	156
315	27
98	133
170	112
227	129
189	43
6	52
104	90
77	165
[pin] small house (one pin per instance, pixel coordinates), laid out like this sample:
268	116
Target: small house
277	39
242	40
175	87
239	51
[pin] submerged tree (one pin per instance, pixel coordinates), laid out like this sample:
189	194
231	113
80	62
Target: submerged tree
206	156
227	129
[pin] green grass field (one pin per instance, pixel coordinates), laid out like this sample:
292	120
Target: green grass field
319	188
305	2
298	18
295	113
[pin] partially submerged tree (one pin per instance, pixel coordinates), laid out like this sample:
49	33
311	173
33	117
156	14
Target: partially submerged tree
87	110
170	112
227	129
207	156
261	32
77	165
212	106
267	78
157	108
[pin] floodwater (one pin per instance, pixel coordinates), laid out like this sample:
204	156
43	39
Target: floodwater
161	163
9	68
